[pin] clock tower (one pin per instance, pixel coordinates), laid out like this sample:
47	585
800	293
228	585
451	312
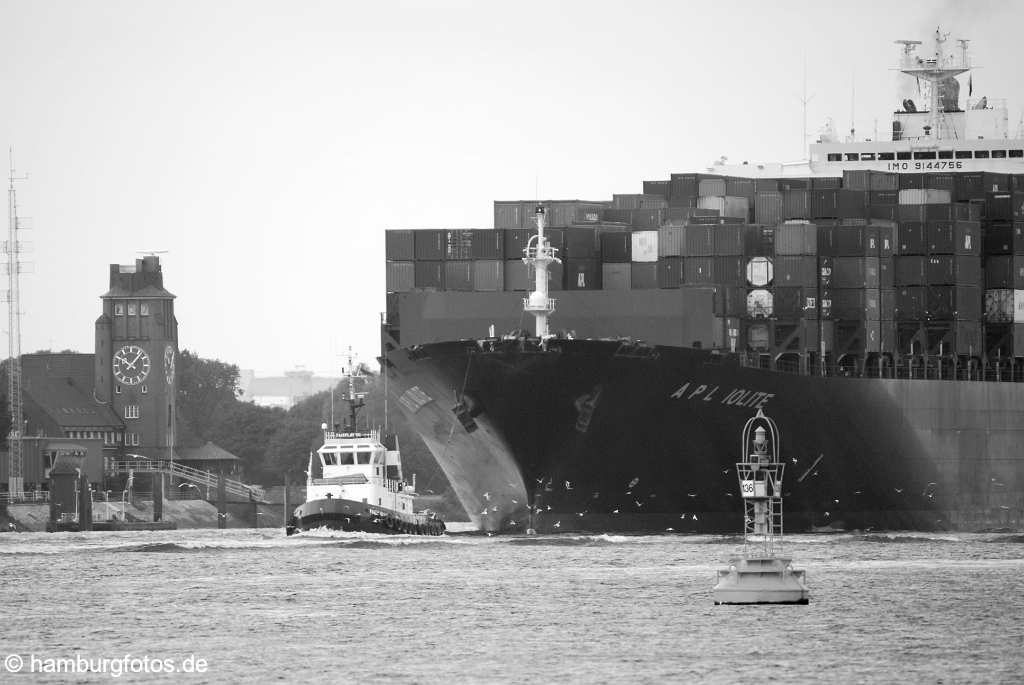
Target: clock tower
136	351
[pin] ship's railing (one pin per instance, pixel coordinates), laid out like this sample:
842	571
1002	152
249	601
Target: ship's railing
35	496
933	368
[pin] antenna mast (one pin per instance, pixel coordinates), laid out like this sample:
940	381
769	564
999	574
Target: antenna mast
13	247
539	254
804	100
934	70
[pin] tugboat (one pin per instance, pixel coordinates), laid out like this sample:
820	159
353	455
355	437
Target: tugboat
355	483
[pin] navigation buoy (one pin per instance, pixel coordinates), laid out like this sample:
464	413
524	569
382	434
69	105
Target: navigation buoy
761	575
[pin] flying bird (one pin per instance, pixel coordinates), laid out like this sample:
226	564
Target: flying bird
484	512
669	529
558	524
487	496
694	517
691	494
615	511
632	483
899	491
568	485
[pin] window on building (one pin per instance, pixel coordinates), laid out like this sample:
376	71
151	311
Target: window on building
119	309
131	411
999	154
867	157
929	154
1016	154
945	154
132	439
884	156
834	157
852	156
117	389
963	154
902	155
981	154
131	309
144	309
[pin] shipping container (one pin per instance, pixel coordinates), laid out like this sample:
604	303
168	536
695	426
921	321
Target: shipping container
400	277
881	180
428	275
458	244
730	270
788	302
851	204
1018	306
887	297
670	241
399	245
826	243
582	274
644	247
824	204
968	338
699	241
1018	238
639	201
969	186
849	241
796	204
429	245
730	301
729	240
909	270
910	303
487	244
670	271
997	238
947	302
565	213
761	184
768	207
848	304
581	243
999	305
646	218
924	196
616	276
698	270
512	214
826	182
683	189
999	271
953	211
711	185
643	275
739	187
998	207
884	212
796	270
883	197
886	272
758	241
915	213
793	238
872	304
951	270
760	304
848	272
1018	205
488	275
1018	272
915	181
910	238
616	248
856	179
727	205
458	275
657	188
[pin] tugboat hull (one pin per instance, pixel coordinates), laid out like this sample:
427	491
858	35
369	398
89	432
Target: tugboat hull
351	516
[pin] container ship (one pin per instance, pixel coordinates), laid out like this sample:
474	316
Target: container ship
594	372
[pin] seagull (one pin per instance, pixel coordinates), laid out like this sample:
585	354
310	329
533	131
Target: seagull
223	515
793	459
683	515
694	517
651	495
494	508
725	470
632	483
484	512
540	481
596	495
487	496
856	492
511	485
638	503
691	494
629	492
558	524
899	491
836	501
827	514
580	513
615	511
568	485
549	507
669	529
515	501
729	494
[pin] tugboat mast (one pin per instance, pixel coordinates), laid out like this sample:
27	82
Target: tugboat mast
936	69
539	254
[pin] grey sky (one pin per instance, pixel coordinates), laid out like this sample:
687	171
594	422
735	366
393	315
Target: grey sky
268	145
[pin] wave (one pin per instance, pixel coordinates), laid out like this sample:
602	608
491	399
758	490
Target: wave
906	538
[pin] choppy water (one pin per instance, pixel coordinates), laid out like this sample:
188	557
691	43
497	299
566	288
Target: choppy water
258	606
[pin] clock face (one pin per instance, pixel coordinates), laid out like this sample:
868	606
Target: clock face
169	364
131	365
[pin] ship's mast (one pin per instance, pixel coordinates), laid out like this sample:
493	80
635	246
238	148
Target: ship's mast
934	70
355	399
13	248
539	254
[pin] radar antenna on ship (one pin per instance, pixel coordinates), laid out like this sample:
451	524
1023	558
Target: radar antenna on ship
935	70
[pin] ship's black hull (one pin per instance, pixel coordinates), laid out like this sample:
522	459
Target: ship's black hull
595	435
350	516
